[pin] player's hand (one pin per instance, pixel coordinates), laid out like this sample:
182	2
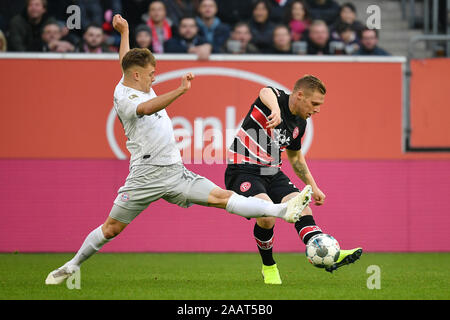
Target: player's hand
318	196
120	24
274	119
186	81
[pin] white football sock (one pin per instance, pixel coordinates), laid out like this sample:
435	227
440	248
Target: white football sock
93	243
252	207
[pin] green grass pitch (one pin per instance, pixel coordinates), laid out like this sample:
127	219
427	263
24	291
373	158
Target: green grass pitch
225	276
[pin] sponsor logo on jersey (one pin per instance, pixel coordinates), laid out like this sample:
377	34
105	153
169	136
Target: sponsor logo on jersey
245	186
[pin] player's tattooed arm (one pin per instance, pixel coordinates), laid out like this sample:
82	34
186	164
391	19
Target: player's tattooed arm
301	169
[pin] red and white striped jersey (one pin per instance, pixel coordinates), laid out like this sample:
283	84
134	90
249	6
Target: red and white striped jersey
256	144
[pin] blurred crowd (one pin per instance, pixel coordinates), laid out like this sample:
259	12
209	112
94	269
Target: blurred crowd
305	27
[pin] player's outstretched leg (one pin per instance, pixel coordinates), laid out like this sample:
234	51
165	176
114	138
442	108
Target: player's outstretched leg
59	275
307	228
93	243
346	257
296	205
252	207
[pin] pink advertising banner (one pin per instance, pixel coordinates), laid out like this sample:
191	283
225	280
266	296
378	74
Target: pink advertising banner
389	205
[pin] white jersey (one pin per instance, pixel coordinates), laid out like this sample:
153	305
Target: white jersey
150	138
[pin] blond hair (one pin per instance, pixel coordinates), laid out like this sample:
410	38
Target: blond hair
141	57
310	83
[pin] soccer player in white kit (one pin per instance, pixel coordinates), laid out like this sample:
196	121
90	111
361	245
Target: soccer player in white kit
156	169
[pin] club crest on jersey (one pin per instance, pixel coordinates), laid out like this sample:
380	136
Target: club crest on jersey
133	96
245	186
295	133
125	197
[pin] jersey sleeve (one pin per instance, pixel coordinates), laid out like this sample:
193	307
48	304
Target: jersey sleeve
295	145
277	92
127	107
297	142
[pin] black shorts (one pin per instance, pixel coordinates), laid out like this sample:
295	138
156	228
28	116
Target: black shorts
248	180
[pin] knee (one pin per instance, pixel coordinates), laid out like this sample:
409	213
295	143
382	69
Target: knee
219	197
110	230
266	222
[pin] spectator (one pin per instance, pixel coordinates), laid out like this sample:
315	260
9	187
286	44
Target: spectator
348	37
25	28
281	40
234	11
52	38
210	27
297	19
188	40
3	42
318	41
176	9
347	14
261	27
240	40
159	24
93	40
326	10
143	37
51	33
57	9
369	44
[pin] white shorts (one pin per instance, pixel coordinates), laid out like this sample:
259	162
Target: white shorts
147	183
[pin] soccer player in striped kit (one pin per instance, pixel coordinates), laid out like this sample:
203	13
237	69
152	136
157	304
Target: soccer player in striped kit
275	123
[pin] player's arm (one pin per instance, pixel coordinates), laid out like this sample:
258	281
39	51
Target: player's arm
268	97
121	25
298	163
160	102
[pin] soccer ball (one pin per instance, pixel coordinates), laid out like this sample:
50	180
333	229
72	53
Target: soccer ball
322	250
